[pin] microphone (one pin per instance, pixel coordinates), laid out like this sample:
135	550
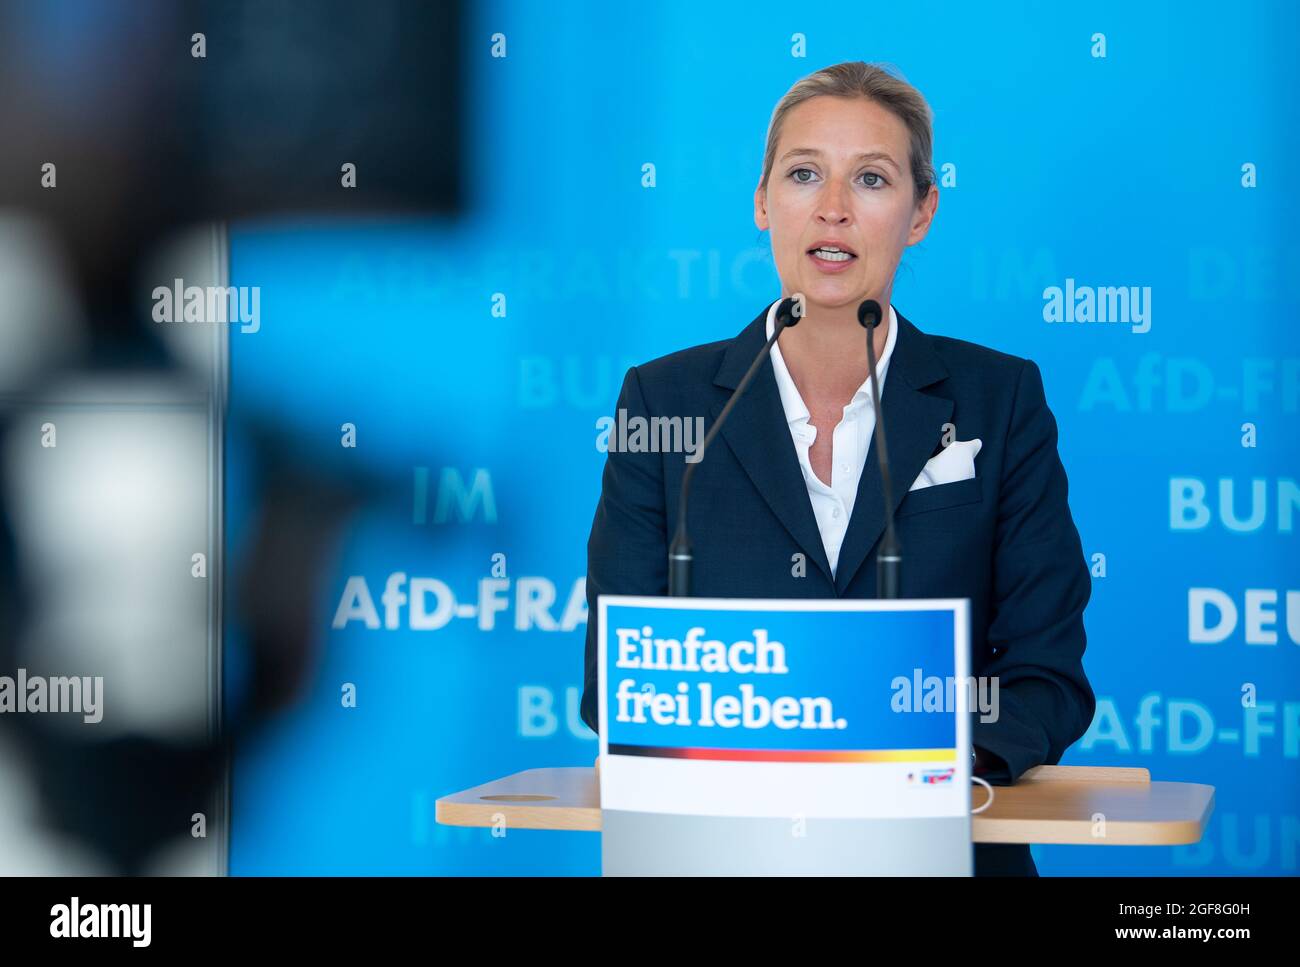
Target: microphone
680	557
889	559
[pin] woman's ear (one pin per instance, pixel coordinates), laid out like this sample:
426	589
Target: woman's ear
923	215
760	207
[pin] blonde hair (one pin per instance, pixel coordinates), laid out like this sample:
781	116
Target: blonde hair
856	78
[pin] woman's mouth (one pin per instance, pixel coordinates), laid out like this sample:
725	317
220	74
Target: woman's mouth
831	259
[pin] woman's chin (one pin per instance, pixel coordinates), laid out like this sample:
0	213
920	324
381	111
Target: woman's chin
832	293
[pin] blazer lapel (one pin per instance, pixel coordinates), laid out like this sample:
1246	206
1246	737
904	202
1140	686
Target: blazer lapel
913	426
758	433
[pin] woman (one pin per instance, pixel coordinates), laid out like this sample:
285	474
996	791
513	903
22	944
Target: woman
788	501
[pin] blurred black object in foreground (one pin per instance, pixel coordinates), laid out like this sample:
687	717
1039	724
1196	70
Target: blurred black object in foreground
145	138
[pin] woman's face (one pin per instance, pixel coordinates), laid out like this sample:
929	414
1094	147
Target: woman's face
841	173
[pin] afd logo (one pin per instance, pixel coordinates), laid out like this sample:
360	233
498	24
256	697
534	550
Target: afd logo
1190	728
933	777
428	604
1190	510
1187	384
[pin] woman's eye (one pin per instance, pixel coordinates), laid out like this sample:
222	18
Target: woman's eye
878	183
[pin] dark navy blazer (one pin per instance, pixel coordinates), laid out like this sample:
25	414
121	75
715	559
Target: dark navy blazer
1005	539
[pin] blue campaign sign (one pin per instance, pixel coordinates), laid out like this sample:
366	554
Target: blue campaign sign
783	680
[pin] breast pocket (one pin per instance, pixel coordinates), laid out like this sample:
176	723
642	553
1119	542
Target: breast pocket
942	496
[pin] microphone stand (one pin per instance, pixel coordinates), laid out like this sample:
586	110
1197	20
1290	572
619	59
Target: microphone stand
889	559
680	555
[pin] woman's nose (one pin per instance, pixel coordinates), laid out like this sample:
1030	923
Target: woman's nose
833	205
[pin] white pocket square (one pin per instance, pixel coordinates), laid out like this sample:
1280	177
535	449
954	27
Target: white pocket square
956	462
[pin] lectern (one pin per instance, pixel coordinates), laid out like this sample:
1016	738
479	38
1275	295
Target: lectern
740	817
766	736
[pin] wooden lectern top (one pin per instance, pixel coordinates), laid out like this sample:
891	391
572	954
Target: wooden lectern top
1048	804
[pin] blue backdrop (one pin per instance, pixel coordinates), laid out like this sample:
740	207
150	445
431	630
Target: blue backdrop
1161	165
